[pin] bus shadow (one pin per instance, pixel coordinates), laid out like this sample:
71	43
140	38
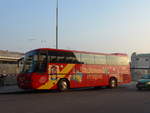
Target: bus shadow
50	91
28	92
88	89
84	89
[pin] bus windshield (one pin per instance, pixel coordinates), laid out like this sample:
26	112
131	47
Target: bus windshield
35	61
30	62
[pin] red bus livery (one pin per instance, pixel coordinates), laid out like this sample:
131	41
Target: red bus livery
63	69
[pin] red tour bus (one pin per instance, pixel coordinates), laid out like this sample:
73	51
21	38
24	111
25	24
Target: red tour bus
46	68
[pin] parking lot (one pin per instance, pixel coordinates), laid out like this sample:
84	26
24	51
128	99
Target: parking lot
125	99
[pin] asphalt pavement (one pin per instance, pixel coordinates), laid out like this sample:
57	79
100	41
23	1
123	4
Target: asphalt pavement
15	88
124	99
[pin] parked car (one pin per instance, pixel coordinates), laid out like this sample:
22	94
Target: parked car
144	82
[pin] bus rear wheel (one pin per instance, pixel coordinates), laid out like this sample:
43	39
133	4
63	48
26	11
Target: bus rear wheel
63	85
113	83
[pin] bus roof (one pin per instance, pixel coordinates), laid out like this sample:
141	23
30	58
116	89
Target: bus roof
96	53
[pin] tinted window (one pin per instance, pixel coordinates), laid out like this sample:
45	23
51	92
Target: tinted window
71	57
30	62
52	56
42	61
63	57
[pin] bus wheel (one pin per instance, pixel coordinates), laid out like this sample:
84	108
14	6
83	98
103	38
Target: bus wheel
63	85
113	83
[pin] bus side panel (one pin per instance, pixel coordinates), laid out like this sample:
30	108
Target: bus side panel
89	76
121	73
38	80
56	71
79	78
125	74
102	75
95	75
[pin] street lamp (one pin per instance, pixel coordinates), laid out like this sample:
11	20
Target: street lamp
57	24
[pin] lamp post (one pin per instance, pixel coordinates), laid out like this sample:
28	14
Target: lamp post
57	24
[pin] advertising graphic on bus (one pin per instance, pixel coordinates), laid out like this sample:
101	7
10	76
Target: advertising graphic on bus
45	68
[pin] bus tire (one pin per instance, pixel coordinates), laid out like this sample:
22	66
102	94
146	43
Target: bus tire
113	83
63	85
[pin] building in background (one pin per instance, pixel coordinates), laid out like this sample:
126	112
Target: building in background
9	67
8	62
140	65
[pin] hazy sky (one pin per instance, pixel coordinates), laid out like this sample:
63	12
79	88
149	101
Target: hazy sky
89	25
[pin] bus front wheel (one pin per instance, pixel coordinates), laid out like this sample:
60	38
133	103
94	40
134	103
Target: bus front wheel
112	83
63	85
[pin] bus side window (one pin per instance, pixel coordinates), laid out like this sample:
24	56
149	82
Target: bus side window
69	59
61	59
112	60
100	59
123	60
52	56
42	61
53	59
91	59
77	58
85	59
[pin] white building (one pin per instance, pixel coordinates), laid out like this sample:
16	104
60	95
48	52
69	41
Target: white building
140	64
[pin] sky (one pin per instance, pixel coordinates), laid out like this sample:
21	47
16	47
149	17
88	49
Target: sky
106	26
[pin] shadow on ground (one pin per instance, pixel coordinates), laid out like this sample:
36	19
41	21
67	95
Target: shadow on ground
51	91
